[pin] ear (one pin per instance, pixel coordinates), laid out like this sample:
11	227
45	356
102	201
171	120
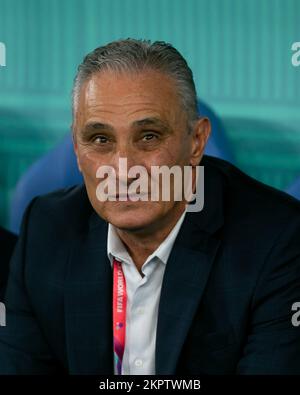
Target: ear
201	132
75	146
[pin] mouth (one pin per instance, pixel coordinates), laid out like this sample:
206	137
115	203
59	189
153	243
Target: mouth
134	197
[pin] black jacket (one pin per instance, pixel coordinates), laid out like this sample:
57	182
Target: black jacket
7	244
226	298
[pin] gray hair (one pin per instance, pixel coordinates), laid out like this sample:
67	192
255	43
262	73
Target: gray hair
137	55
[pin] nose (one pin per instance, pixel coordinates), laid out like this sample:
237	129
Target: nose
125	157
124	150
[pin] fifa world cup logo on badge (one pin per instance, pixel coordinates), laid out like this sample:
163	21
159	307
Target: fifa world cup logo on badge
2	314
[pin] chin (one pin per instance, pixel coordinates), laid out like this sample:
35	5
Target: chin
131	215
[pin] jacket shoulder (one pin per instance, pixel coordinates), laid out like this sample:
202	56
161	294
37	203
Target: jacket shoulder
67	208
248	195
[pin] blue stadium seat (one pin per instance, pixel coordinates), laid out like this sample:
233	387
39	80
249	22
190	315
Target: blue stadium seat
218	144
56	169
294	189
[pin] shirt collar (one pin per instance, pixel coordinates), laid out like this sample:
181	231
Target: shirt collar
115	247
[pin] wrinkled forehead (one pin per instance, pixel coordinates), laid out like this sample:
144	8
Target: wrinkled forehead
128	93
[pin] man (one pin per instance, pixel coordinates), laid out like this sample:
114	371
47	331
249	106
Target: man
147	287
7	243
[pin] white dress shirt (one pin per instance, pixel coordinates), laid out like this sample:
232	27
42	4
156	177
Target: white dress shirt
143	294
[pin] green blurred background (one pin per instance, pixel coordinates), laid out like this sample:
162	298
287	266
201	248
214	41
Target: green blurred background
239	51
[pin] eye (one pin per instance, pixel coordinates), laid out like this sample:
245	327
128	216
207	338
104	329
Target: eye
149	136
99	139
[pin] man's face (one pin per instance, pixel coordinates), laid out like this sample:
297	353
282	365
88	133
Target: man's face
138	117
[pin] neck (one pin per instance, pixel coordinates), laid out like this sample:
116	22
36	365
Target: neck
143	243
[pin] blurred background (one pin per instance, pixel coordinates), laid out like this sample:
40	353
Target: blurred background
239	51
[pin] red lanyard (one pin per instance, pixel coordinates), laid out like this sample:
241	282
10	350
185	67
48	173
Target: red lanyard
119	314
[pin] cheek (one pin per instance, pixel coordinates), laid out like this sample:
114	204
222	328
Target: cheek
89	162
171	154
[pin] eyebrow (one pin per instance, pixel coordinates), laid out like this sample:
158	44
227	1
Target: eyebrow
96	127
152	121
92	127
